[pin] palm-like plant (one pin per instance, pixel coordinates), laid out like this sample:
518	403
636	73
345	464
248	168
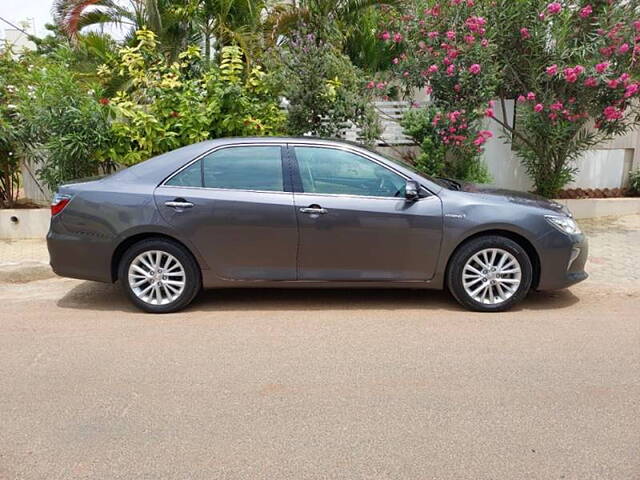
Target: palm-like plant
74	15
160	16
333	18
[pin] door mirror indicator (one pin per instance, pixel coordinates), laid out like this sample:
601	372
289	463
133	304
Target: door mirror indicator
412	190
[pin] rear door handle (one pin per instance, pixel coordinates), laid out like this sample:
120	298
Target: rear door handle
314	211
179	204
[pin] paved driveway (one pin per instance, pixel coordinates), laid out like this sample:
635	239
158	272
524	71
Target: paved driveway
325	384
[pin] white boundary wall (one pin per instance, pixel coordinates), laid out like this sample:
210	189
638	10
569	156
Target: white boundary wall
605	167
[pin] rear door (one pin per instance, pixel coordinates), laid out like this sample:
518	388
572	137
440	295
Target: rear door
355	223
233	206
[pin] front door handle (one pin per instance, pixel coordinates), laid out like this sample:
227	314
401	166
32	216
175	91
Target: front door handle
314	210
179	204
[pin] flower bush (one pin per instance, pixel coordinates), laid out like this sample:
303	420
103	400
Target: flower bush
446	50
175	104
571	65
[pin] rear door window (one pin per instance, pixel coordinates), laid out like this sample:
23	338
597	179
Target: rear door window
235	168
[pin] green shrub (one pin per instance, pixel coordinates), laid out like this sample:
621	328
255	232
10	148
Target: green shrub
634	182
64	125
12	73
172	104
325	91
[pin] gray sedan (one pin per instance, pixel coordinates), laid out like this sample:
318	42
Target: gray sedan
288	212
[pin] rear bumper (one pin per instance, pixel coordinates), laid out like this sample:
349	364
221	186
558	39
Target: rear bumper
75	255
563	262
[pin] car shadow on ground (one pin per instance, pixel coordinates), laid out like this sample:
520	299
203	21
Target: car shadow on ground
106	297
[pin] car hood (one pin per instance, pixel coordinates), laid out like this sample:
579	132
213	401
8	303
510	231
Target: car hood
515	196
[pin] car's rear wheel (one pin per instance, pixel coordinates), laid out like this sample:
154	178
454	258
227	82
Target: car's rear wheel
159	276
490	274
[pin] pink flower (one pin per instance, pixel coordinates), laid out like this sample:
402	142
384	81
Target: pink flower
586	11
571	74
591	82
433	69
553	116
489	113
636	24
385	36
371	85
476	24
451	35
612	114
557	106
470	39
531	96
538	108
457	87
613	83
631	90
475	69
624	78
451	70
433	35
396	60
552	70
397	37
624	48
522	99
554	8
484	42
381	85
524	33
453	116
602	67
482	137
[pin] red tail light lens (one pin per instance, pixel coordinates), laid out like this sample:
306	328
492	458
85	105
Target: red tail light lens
59	202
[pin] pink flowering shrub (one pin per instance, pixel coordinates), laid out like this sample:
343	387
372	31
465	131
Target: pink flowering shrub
573	67
446	53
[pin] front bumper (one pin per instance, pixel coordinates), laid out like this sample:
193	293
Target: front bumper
563	261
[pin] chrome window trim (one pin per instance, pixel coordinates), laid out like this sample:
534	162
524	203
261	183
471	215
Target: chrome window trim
333	195
279	192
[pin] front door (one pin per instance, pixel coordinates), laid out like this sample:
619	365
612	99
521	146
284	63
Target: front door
233	206
355	223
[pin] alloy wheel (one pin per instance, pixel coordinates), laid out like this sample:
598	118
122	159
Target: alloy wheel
157	277
492	276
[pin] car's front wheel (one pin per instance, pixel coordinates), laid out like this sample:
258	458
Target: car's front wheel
490	274
159	276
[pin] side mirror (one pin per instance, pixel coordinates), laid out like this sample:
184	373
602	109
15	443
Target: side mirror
412	190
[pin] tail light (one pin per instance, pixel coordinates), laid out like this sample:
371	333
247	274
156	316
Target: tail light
59	202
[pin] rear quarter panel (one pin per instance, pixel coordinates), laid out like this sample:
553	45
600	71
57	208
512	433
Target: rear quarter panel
84	237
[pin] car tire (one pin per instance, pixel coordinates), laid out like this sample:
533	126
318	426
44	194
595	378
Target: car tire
159	275
490	274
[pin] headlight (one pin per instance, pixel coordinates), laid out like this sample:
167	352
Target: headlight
565	224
